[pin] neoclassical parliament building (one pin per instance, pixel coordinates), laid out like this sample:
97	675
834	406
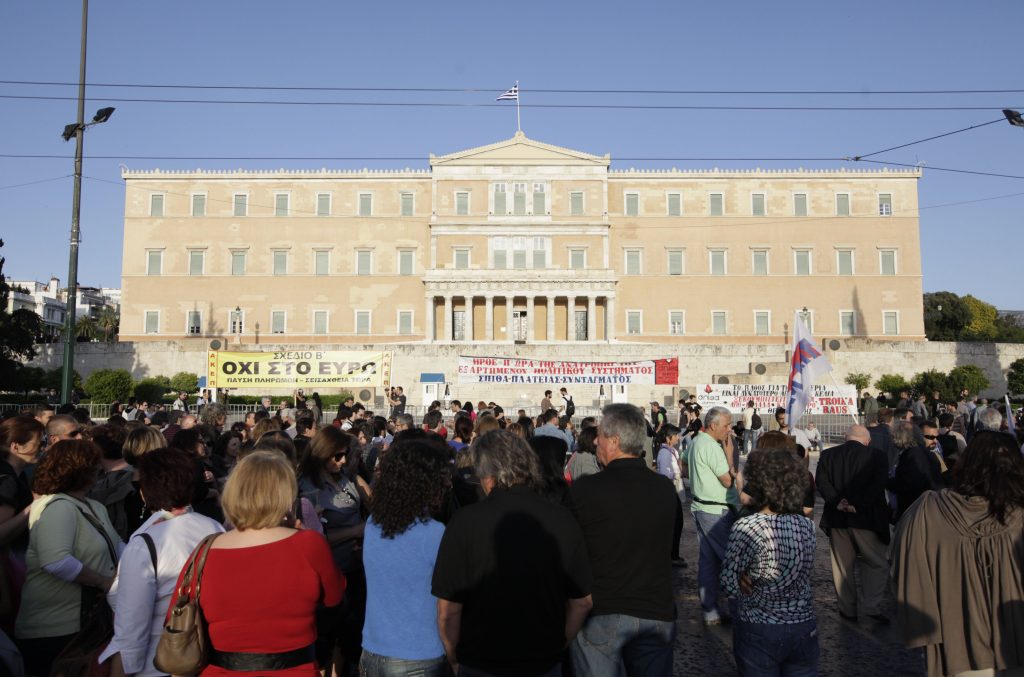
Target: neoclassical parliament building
520	242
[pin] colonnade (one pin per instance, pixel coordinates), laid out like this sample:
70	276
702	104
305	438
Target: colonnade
514	303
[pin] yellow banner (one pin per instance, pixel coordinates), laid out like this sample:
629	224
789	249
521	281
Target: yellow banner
299	368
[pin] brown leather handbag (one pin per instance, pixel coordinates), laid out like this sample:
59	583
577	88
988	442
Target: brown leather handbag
184	645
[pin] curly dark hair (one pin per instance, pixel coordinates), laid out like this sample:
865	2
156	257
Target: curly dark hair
167	478
776	479
992	468
414	474
69	465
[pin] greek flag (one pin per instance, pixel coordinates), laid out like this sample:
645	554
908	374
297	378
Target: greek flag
510	95
806	367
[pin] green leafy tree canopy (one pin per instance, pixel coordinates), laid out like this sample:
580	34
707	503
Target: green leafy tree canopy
18	332
1015	377
968	377
858	380
184	381
945	316
891	384
108	385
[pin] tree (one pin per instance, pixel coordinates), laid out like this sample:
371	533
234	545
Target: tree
184	381
110	323
54	376
891	384
108	385
85	328
945	316
858	380
152	389
983	316
930	381
1015	377
968	377
18	332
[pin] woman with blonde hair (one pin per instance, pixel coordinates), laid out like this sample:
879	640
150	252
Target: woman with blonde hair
141	440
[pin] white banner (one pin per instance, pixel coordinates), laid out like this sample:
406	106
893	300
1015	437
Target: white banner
825	399
543	372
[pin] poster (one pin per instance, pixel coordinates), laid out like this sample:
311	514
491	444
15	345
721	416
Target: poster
516	371
825	399
299	369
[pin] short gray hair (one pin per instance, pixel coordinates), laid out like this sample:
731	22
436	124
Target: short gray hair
405	419
213	413
990	419
715	413
507	459
626	422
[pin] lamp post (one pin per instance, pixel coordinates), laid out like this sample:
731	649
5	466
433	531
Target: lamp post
77	130
236	323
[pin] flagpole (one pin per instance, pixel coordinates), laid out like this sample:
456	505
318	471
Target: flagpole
519	126
856	421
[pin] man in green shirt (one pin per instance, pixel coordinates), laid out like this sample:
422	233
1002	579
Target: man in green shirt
715	496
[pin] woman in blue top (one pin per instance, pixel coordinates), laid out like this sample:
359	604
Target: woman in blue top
400	636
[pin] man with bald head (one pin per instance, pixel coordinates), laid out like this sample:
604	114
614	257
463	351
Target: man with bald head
62	428
851	478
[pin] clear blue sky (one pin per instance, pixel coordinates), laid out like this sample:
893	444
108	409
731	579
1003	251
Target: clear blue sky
864	46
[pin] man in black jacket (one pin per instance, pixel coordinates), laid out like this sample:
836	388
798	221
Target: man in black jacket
851	478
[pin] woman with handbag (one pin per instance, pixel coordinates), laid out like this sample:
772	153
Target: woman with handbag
153	559
72	554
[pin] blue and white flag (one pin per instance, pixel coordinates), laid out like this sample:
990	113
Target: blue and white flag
1011	426
808	365
510	95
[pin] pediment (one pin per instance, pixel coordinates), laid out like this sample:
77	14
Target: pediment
519	150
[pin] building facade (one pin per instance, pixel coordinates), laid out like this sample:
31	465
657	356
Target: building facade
520	242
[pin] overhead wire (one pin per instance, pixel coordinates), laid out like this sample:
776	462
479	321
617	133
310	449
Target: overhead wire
33	183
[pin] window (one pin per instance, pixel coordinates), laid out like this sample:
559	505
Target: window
277	321
404	322
577	259
762	322
717	261
238	263
847	323
842	204
156	205
757	204
885	204
406	204
716	204
800	204
759	265
461	259
364	262
362	322
406	259
281	204
500	205
718	322
500	259
887	261
154	262
240	203
632	204
198	205
801	262
152	321
365	204
633	262
675	261
320	322
280	262
634	322
539	203
519	253
844	262
576	203
321	262
540	253
323	204
462	203
890	322
519	199
675	322
674	204
458	325
196	262
194	322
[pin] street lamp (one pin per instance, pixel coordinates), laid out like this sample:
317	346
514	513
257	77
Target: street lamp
1013	117
76	130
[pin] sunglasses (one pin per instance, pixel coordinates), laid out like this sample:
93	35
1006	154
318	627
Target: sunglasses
339	457
931	437
77	432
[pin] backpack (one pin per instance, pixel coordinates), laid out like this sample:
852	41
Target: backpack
755	421
570	407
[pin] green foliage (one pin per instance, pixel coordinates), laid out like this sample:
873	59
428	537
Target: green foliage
1015	377
968	377
945	316
108	385
983	316
53	379
933	380
86	328
152	389
859	380
110	323
891	384
184	381
18	333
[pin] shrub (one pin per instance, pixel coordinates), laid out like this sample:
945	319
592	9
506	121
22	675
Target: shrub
184	381
1015	377
858	380
968	377
929	381
107	385
152	389
891	384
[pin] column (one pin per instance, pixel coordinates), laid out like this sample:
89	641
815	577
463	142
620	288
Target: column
428	320
489	318
550	336
447	318
530	319
509	334
570	320
609	318
591	318
469	318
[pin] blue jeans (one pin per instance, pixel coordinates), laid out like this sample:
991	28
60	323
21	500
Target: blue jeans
616	644
372	665
712	538
776	649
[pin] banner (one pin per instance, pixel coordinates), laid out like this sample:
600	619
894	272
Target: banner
517	371
299	368
825	399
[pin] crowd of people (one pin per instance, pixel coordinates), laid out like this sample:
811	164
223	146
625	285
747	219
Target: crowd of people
472	542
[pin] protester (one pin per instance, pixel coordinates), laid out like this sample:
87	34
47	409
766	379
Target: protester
667	460
584	460
115	488
140	441
463	433
918	469
20	443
